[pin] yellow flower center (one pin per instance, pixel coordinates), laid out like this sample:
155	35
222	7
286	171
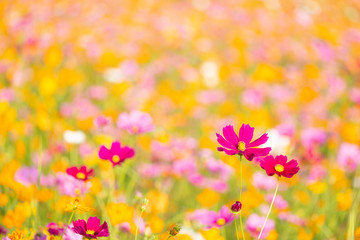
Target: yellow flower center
220	221
116	159
80	175
135	129
241	146
279	168
90	232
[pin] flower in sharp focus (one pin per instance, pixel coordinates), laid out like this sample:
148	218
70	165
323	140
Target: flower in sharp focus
116	154
135	122
92	229
81	173
233	144
280	166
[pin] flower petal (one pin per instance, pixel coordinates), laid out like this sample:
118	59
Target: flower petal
230	135
103	230
93	223
259	141
246	133
104	153
250	153
224	143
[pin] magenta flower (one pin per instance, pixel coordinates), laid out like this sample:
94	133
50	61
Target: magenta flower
280	166
116	154
54	229
135	122
81	173
91	229
233	144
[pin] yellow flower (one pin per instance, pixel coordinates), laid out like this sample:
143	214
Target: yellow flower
158	201
3	199
16	235
208	197
156	224
211	234
77	207
53	56
318	187
120	213
344	200
303	235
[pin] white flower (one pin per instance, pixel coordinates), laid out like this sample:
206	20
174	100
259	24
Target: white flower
75	137
279	144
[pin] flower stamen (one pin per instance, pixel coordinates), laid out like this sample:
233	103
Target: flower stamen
241	146
279	168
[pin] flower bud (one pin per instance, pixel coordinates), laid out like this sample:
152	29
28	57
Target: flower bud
144	204
236	207
174	229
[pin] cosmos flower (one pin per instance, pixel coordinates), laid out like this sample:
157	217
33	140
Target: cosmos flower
280	166
135	122
81	173
233	144
236	207
211	218
253	223
116	154
74	137
102	121
91	229
349	156
54	229
71	186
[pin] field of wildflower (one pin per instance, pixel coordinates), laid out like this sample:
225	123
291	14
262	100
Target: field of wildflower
179	119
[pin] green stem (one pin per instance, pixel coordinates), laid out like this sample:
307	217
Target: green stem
72	214
237	233
272	202
241	183
137	225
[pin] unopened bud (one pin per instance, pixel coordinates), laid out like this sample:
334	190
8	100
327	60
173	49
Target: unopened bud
236	207
174	229
144	204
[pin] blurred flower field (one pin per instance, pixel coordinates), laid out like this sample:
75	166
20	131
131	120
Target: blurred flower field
180	119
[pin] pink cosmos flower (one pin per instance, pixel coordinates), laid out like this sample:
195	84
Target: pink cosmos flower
68	185
102	121
242	145
263	181
349	156
312	136
135	122
116	154
254	223
280	203
91	229
26	176
280	166
81	173
211	218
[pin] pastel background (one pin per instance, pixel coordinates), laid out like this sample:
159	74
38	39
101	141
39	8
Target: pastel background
163	77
